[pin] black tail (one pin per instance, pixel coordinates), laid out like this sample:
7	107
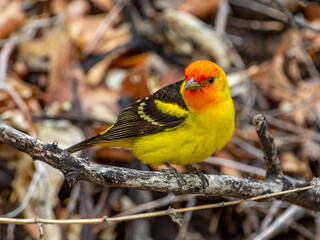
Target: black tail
84	144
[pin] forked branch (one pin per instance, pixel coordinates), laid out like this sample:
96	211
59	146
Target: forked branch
75	169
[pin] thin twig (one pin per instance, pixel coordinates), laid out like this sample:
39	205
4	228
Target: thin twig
4	59
147	215
186	220
247	147
236	165
244	167
285	10
39	173
282	223
270	215
302	22
266	10
31	190
273	164
170	198
284	125
29	30
221	18
256	24
295	21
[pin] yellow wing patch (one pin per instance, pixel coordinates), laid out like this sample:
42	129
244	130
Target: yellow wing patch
171	109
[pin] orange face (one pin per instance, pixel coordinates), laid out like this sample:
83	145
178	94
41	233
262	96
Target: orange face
202	70
206	84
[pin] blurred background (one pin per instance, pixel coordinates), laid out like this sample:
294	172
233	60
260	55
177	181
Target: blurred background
67	68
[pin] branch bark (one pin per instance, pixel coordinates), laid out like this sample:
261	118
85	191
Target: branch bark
274	171
75	169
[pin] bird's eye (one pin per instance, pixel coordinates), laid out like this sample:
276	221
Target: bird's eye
211	80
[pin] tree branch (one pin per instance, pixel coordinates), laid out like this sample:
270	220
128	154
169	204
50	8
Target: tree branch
76	169
274	171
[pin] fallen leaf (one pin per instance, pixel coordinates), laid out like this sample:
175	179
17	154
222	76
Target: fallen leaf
291	164
12	17
135	83
81	31
311	11
105	5
201	9
192	28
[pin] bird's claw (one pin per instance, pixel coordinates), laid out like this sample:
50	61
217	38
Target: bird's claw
178	176
204	179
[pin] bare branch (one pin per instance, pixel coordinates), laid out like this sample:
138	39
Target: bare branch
75	169
273	164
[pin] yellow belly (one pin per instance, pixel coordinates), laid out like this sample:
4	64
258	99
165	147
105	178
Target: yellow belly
198	138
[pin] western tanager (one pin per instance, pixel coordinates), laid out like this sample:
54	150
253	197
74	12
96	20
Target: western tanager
182	123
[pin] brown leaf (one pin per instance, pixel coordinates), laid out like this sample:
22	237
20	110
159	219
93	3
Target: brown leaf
310	151
42	47
96	74
291	164
307	101
200	8
131	60
312	11
105	5
60	69
136	82
100	103
78	8
59	6
81	31
114	154
225	170
11	18
171	76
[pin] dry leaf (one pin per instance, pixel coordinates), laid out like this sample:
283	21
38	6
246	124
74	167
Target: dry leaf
192	28
42	47
292	165
78	8
96	74
136	82
310	151
201	9
114	154
59	6
105	5
11	18
16	118
312	11
81	31
100	103
225	170
60	73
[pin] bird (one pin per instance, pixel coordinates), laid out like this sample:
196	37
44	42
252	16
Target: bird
182	123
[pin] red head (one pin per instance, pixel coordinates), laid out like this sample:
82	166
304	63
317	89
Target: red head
206	83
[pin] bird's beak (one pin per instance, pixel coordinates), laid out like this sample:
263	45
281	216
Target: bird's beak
192	85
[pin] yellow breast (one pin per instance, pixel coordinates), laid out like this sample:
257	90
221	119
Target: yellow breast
201	135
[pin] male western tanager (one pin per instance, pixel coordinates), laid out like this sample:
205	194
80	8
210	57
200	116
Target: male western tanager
182	123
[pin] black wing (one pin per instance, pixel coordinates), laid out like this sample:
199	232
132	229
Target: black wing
144	117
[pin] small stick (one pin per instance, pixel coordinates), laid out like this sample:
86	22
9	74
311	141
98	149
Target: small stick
273	164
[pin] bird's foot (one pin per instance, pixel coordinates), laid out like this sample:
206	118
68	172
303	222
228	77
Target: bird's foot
178	176
204	179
